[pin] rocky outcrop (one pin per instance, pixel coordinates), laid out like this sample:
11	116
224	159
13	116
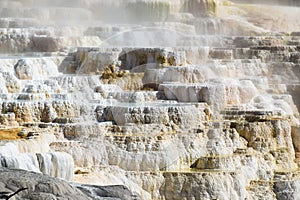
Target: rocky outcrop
25	112
161	113
182	99
201	7
26	43
190	184
36	186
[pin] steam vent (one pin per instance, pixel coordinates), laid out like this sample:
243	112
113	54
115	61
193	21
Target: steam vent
149	99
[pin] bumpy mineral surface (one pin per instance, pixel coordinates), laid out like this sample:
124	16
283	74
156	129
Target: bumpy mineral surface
150	99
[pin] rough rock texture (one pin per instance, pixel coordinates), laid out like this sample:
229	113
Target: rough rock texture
181	99
39	187
45	187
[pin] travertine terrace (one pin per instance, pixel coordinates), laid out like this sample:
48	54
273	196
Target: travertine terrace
150	99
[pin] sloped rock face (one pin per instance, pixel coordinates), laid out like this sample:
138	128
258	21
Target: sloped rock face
183	99
37	186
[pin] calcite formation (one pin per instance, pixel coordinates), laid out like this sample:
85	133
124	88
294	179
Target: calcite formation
159	99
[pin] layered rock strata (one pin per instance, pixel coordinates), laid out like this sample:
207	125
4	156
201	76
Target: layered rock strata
187	99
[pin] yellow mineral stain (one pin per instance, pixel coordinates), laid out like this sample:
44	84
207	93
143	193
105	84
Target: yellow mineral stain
10	134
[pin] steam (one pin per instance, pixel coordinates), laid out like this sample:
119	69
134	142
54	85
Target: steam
270	2
99	12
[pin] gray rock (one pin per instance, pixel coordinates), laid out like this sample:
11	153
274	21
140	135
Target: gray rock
41	187
114	192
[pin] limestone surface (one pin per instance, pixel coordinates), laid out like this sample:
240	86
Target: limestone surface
150	99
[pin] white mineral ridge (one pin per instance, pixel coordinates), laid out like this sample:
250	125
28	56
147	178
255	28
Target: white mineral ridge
34	155
200	99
